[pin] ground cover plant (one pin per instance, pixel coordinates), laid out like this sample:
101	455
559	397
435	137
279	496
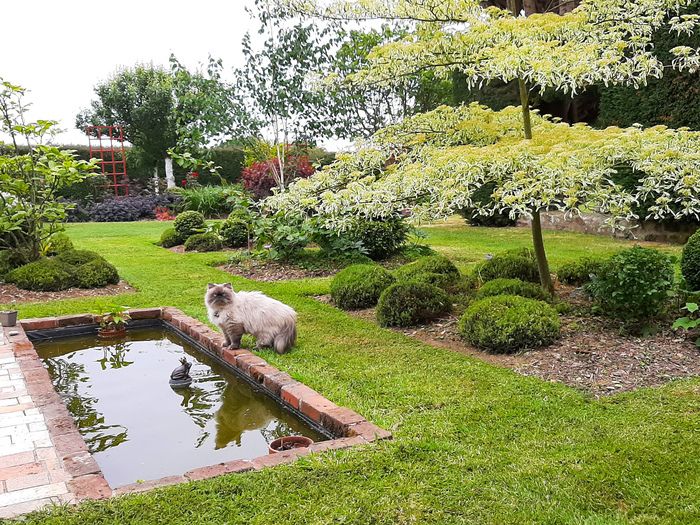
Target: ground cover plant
473	443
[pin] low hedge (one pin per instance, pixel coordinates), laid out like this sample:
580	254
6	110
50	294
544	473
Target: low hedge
96	274
188	223
513	264
170	238
44	275
512	287
203	242
359	286
234	232
435	264
75	258
508	323
579	272
410	303
58	243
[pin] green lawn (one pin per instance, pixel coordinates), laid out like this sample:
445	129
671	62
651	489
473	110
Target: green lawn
473	443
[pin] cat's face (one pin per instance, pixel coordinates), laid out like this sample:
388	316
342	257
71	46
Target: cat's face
219	295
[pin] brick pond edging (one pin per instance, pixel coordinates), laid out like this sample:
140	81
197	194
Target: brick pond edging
67	452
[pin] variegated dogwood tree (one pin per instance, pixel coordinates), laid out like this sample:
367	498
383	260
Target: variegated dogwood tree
432	163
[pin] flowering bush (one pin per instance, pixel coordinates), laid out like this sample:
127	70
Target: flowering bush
259	177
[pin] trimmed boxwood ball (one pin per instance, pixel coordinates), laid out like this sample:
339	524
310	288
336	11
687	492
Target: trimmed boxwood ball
59	243
438	264
188	223
96	274
578	273
410	303
512	287
690	262
203	242
44	275
515	264
75	258
436	279
508	323
359	286
170	238
234	232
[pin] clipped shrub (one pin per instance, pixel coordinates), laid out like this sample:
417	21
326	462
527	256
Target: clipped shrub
380	239
410	303
234	231
508	323
170	238
512	287
438	264
359	286
58	243
513	264
96	274
203	242
44	275
75	258
436	279
188	223
690	262
634	285
579	272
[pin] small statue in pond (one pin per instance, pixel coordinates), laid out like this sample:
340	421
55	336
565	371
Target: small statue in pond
181	375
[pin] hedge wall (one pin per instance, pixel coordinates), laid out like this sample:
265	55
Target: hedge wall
673	100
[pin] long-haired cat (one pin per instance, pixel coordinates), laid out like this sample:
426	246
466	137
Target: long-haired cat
271	322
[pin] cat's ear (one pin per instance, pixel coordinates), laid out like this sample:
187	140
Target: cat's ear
210	286
229	286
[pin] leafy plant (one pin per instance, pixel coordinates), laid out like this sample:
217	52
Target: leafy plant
690	321
508	323
379	238
260	177
634	285
31	179
114	317
690	262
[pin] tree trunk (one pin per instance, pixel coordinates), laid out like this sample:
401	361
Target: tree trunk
537	239
169	176
156	181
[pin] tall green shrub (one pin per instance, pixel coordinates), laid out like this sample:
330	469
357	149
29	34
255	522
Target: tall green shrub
690	262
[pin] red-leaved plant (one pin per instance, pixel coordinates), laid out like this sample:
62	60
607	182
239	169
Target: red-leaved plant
258	178
163	214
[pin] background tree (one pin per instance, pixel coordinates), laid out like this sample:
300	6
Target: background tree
600	42
31	176
163	110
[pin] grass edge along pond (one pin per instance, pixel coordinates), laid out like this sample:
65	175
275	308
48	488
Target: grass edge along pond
472	443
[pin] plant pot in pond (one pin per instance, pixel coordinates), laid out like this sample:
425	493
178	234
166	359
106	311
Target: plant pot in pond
8	318
289	443
110	332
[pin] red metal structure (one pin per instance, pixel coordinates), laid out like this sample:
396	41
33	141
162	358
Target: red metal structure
107	144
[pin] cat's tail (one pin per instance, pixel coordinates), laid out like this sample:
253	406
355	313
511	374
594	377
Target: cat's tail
286	338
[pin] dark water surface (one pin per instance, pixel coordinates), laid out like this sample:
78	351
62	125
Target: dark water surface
138	428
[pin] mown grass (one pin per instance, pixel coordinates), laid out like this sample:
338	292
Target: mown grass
473	443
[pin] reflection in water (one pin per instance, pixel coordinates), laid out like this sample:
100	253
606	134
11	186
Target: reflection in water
140	428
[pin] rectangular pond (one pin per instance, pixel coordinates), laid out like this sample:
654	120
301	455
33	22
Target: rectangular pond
138	427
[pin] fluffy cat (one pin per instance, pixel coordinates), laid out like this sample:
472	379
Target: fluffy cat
236	313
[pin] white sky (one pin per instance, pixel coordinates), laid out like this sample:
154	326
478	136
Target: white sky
59	49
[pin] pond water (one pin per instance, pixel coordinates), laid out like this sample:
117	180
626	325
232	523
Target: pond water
139	428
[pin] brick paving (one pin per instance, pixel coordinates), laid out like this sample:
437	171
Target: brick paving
32	475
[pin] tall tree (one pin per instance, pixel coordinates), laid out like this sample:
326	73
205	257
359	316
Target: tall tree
439	159
162	109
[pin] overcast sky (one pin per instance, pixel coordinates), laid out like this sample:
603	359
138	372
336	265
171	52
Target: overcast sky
59	49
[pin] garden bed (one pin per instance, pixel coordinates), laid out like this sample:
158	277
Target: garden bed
10	294
591	355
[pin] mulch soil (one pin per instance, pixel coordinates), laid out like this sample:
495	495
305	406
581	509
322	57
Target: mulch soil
593	354
10	294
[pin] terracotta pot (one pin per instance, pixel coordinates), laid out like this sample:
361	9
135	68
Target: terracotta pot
288	443
111	332
8	318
